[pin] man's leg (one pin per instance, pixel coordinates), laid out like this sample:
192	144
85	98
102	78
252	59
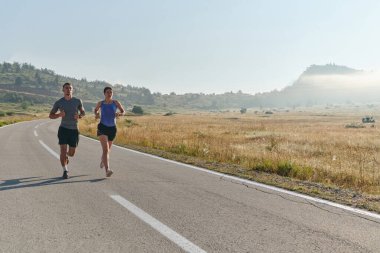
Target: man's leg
71	151
63	155
64	160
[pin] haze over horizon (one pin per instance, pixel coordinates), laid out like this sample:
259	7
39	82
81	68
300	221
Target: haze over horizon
192	47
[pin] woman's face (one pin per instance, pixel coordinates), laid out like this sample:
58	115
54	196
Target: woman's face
108	94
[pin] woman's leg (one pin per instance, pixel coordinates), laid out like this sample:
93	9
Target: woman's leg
105	147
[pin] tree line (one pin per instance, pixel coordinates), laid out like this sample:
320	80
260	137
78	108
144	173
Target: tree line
27	78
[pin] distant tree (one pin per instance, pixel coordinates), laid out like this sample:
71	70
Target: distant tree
7	67
16	67
25	66
56	80
37	78
243	110
18	82
24	105
137	109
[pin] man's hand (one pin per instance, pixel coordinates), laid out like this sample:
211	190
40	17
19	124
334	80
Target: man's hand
62	113
78	116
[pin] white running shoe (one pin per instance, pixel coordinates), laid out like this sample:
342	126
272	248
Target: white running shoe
109	172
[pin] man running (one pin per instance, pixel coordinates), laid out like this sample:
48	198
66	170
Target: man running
68	133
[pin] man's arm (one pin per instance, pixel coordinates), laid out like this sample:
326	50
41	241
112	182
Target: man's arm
53	113
81	110
57	115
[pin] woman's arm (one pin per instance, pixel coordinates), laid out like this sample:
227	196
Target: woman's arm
120	107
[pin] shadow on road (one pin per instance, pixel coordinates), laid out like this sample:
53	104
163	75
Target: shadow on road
16	183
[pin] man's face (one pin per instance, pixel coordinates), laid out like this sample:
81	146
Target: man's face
68	90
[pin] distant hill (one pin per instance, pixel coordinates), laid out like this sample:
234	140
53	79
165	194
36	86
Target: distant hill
20	82
25	80
329	69
329	84
317	85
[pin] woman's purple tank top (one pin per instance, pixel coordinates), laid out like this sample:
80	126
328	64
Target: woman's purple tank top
108	114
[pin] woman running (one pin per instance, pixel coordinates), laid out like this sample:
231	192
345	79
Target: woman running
107	125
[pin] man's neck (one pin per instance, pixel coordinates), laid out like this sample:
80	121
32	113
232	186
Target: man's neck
68	97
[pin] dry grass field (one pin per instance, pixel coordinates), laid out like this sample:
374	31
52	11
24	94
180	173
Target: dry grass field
6	120
307	146
325	148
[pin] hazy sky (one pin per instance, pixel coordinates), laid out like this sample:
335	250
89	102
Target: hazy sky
209	46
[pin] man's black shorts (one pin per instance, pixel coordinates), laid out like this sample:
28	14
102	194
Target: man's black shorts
68	136
106	130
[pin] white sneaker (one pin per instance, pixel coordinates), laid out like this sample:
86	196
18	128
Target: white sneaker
109	172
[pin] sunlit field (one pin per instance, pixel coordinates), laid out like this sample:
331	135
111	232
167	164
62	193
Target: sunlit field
12	113
330	147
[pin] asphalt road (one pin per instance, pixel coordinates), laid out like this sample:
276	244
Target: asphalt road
154	205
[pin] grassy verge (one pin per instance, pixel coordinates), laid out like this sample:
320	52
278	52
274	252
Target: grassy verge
11	113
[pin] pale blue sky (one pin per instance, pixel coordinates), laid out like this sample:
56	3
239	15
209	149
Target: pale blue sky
209	46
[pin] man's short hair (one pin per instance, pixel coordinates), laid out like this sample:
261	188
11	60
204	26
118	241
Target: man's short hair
106	88
63	86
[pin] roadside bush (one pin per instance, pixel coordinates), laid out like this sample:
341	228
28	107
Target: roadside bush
243	110
169	113
303	173
264	165
137	109
284	169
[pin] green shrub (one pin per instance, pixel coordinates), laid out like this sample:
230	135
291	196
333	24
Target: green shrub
137	110
303	173
284	168
264	165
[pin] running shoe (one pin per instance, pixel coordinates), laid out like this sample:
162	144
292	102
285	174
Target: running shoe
109	172
65	175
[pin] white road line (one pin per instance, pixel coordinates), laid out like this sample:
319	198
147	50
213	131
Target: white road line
157	225
35	133
249	182
49	149
154	223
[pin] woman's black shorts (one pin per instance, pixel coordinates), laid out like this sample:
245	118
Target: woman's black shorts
106	130
68	136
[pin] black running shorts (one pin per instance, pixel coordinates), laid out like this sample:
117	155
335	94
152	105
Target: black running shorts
68	136
106	130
